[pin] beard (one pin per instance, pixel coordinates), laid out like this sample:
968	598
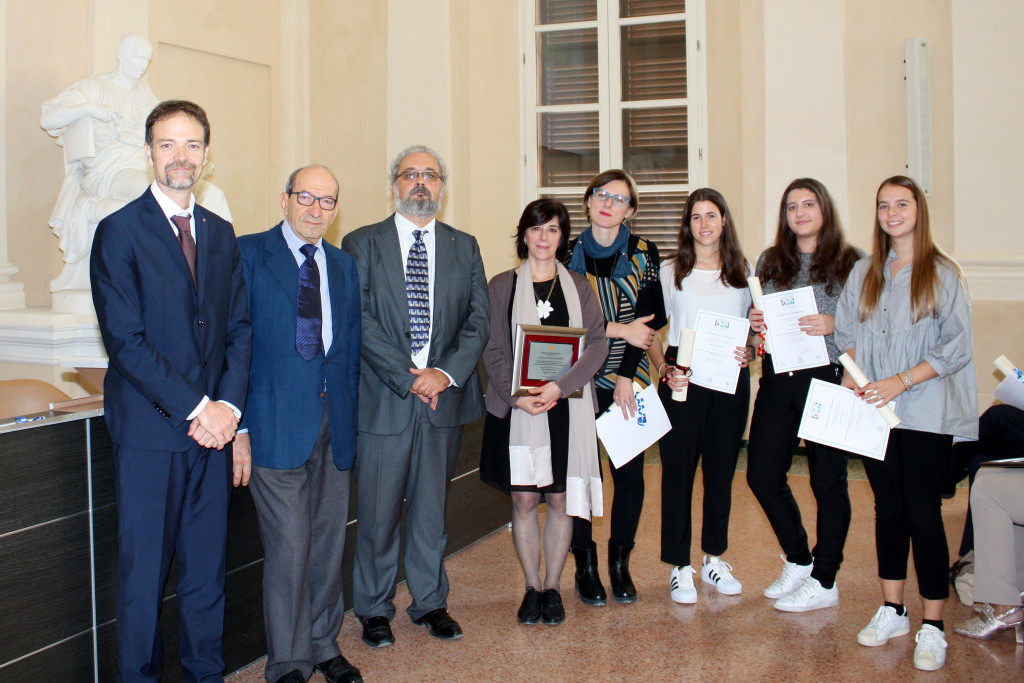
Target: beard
417	203
181	183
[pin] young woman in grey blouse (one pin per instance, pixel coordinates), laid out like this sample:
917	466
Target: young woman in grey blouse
809	250
905	317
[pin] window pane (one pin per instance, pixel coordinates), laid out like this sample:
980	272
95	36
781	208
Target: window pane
567	152
654	61
654	145
574	203
659	218
567	67
644	8
563	11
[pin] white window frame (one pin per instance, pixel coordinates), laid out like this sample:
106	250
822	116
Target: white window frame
610	106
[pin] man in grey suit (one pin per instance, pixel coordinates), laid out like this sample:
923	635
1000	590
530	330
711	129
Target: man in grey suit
298	432
425	323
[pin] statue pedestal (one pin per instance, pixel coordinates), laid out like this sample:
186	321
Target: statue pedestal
76	301
34	337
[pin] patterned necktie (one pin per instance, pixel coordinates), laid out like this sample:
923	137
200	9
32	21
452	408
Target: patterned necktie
309	322
187	242
417	291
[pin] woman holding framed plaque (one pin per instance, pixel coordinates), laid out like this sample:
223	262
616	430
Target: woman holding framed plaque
905	317
623	270
809	251
538	442
708	273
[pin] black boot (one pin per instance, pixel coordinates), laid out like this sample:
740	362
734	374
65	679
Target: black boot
588	581
623	589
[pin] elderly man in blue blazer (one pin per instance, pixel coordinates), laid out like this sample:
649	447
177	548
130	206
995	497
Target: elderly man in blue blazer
170	300
300	425
425	324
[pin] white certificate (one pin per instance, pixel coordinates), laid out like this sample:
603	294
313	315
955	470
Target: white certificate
792	348
1011	391
834	416
625	439
714	364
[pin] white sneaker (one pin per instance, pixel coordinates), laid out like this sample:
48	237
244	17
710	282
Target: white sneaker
930	653
681	585
789	580
719	575
809	595
884	625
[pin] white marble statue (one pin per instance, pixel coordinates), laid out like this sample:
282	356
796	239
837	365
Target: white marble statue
100	121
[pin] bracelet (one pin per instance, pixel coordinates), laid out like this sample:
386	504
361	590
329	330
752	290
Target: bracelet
908	378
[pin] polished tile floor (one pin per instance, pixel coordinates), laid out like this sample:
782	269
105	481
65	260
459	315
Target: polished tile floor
720	638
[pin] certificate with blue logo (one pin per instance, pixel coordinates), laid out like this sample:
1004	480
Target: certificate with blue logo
717	338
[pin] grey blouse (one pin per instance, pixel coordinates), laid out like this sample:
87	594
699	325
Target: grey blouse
826	302
890	342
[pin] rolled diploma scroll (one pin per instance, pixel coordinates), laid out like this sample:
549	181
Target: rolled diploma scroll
1006	366
754	283
861	379
683	357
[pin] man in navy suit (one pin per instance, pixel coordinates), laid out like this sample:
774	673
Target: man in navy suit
170	299
299	425
425	324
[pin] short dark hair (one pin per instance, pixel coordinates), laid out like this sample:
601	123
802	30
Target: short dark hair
539	212
169	108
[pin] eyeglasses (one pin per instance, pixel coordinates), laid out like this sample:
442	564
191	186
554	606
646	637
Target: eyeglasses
307	199
428	176
605	195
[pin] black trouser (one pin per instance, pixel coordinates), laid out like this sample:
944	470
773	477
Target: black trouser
908	507
773	427
627	501
708	423
1000	436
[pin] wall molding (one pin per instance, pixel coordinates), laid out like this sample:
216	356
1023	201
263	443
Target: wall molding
41	337
994	278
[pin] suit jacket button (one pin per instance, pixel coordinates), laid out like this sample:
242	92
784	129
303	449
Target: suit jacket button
201	323
204	363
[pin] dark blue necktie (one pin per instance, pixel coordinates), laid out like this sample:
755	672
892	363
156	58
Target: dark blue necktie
309	322
417	291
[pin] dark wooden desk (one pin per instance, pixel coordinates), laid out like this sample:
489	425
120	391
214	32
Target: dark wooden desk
58	553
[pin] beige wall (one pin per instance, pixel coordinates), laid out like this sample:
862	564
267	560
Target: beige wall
385	74
35	164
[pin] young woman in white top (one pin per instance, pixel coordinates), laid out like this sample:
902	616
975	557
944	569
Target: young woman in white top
709	272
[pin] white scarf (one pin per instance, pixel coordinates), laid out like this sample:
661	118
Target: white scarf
529	440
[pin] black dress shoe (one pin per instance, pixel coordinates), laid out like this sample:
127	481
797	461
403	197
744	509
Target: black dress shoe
623	589
529	611
588	581
338	670
440	624
551	610
293	676
377	632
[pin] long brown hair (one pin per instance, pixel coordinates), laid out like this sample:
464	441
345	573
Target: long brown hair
734	271
924	278
833	257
